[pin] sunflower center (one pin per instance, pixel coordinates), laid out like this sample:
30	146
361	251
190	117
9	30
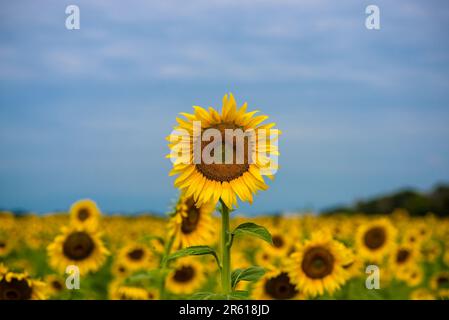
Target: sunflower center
375	238
56	285
280	287
402	256
190	222
2	245
83	214
184	274
317	263
78	246
278	241
15	290
219	170
443	282
136	254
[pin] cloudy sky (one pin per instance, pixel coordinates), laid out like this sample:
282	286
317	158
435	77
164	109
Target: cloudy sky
84	112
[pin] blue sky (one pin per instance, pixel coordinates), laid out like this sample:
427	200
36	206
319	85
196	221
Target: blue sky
84	113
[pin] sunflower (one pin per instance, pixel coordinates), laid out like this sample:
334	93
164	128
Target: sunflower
422	294
85	213
276	285
55	284
191	225
135	256
157	245
120	270
77	246
412	275
19	286
430	250
375	239
264	258
212	180
446	255
318	265
424	230
355	267
7	220
186	277
412	237
6	245
281	245
118	291
440	282
403	256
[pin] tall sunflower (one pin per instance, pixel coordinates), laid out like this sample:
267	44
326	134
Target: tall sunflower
318	265
19	286
85	213
209	181
77	246
376	239
191	225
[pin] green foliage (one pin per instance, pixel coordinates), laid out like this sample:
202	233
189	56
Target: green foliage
253	273
207	296
146	276
194	251
254	230
239	295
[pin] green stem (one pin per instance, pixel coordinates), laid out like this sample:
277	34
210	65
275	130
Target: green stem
164	264
225	251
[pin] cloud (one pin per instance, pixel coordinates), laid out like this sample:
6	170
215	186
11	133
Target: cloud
262	42
87	111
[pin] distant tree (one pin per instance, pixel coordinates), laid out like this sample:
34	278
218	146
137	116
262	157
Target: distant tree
416	203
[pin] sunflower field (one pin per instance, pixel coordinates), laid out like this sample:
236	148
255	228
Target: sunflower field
203	249
123	260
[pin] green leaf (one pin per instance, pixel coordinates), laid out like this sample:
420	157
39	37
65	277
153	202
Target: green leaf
239	295
143	276
207	296
253	273
254	230
194	251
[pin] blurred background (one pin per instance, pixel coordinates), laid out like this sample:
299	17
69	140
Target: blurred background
364	113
